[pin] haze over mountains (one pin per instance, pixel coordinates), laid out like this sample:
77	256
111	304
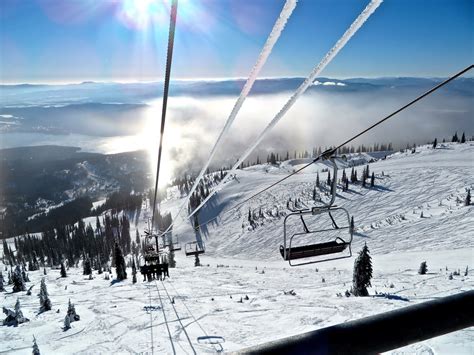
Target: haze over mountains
117	117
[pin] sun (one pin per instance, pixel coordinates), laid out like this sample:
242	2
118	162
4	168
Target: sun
141	14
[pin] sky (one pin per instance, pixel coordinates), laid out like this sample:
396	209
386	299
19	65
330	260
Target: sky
125	40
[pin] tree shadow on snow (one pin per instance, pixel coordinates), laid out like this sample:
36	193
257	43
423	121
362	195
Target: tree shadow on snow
115	281
381	188
358	234
392	297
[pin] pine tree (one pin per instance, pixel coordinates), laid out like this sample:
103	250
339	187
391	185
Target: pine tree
24	275
455	138
120	263
18	281
467	202
2	287
63	270
362	273
36	350
197	262
45	302
99	262
435	143
172	261
67	323
463	138
329	178
352	224
372	180
71	312
134	272
423	268
317	179
87	268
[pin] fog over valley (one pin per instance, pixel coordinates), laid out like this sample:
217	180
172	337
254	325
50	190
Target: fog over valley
119	117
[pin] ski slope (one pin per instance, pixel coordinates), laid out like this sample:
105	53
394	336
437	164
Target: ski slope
241	261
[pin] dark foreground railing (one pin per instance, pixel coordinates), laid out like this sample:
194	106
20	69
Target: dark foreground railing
382	332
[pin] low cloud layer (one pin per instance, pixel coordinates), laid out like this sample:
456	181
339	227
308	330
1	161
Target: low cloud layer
329	113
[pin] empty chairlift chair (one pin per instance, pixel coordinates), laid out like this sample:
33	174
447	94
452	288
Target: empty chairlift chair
337	247
194	248
174	245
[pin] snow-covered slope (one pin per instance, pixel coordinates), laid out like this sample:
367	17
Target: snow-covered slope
417	204
242	261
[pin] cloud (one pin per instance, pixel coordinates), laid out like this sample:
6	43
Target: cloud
329	113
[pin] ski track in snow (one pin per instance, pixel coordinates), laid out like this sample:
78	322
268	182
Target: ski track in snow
206	299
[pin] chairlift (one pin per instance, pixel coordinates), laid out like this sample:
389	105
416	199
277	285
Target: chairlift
174	245
194	248
316	251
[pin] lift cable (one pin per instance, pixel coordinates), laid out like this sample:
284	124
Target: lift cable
330	55
273	37
328	153
169	58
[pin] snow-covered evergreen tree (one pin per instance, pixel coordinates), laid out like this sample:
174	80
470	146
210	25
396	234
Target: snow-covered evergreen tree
463	138
134	271
2	288
455	137
435	143
71	312
467	202
87	268
45	302
63	270
372	180
14	317
172	261
317	179
18	281
99	265
24	275
423	268
120	263
67	323
36	350
362	273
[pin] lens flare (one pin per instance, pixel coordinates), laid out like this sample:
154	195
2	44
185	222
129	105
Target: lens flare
140	14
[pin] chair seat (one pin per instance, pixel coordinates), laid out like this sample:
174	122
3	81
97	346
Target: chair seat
307	251
194	252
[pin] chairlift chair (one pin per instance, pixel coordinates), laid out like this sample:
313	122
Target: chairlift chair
315	252
174	245
194	248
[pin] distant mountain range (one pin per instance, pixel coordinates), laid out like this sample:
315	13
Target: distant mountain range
135	93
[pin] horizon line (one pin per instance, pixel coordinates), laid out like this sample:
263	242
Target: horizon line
201	79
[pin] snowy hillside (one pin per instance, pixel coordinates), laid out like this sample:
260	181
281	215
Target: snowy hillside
387	217
414	213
